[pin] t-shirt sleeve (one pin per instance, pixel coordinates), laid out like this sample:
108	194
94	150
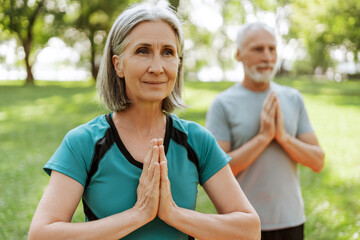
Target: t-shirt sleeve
304	124
72	157
211	157
217	122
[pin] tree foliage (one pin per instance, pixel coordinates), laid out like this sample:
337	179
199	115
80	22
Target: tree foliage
206	46
324	25
91	22
31	23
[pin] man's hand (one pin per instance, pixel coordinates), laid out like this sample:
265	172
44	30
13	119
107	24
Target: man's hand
267	117
281	135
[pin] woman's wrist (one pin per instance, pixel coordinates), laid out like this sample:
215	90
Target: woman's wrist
170	215
141	215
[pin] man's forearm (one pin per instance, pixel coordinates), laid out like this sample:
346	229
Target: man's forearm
245	155
309	155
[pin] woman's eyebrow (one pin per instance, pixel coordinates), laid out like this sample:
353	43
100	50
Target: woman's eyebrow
150	45
143	45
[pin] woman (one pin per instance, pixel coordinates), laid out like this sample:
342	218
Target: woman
137	168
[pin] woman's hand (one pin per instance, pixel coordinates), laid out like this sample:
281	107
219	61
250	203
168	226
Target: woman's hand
167	203
154	192
148	191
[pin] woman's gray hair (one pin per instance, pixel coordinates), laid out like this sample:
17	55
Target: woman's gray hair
111	88
244	29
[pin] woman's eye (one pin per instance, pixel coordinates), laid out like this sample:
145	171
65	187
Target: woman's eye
142	51
168	52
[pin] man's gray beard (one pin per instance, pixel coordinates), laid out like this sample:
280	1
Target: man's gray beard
258	77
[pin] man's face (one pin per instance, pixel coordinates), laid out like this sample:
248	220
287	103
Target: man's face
258	55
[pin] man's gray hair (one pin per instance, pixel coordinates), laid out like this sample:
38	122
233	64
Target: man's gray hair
244	29
111	88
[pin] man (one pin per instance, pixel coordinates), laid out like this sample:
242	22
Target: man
265	128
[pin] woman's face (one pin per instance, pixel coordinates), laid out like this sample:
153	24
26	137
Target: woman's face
149	63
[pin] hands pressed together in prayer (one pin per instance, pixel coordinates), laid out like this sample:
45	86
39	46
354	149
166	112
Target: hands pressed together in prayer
272	121
154	193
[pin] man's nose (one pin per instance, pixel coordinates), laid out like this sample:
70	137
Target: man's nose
268	55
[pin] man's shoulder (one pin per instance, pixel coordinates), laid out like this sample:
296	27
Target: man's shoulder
285	90
276	86
234	91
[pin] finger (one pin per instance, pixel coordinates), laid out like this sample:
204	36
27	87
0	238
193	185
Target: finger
162	154
156	176
268	101
163	165
160	141
165	183
155	155
147	167
277	103
148	172
149	154
279	111
273	103
268	112
279	115
270	94
273	108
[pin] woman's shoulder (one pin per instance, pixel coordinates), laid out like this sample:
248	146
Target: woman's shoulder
190	128
90	131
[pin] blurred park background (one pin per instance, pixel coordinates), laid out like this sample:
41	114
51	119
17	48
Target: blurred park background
49	56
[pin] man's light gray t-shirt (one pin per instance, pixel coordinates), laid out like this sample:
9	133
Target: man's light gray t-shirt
271	183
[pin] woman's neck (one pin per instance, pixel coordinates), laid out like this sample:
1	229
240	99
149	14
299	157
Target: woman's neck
143	121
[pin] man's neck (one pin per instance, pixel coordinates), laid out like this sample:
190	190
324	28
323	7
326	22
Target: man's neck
255	86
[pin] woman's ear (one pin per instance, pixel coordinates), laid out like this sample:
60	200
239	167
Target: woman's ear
117	65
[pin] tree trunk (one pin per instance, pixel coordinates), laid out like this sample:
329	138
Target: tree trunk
30	77
27	42
26	45
94	70
94	67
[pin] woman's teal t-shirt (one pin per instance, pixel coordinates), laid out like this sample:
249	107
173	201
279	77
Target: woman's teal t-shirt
192	153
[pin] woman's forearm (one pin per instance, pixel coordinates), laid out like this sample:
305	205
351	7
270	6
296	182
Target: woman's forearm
235	225
109	228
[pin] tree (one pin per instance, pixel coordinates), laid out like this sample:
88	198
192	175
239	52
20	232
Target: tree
93	19
27	21
209	46
325	25
343	27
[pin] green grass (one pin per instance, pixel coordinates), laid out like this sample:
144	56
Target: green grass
33	121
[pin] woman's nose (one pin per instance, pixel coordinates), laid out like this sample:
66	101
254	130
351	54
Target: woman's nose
156	65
